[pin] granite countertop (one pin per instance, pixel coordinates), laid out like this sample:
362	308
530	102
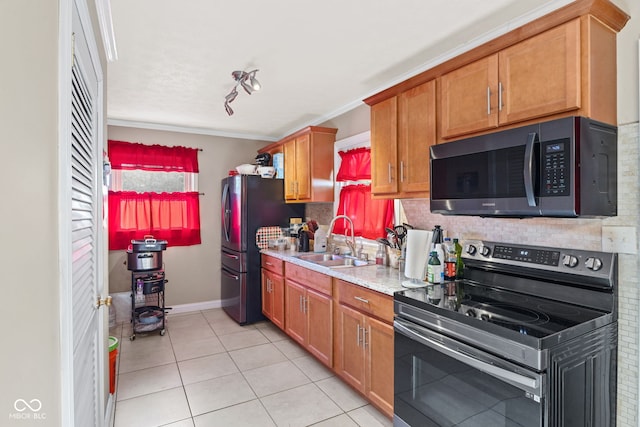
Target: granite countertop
385	280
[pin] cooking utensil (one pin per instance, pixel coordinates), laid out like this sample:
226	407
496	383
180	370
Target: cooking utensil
401	234
384	241
145	254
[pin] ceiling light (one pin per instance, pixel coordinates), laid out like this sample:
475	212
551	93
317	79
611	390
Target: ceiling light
248	82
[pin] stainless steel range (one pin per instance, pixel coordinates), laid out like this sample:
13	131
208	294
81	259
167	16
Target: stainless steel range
527	338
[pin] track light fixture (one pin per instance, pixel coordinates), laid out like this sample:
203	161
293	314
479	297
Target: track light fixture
248	82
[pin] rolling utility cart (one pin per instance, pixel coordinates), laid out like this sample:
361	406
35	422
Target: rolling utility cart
148	310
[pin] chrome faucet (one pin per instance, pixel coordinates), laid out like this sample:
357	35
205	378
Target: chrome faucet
350	243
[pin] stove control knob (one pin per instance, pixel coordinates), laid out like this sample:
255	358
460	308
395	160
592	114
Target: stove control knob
593	263
471	313
471	250
570	261
485	251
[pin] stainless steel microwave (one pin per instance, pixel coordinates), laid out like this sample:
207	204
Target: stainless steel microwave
560	168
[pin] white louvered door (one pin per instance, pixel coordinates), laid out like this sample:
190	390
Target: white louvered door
83	166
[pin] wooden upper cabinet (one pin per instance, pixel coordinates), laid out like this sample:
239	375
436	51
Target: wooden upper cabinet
402	130
308	164
289	154
541	76
417	133
303	167
468	98
561	64
384	147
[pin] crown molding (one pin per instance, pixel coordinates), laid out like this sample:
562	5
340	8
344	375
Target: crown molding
103	8
188	129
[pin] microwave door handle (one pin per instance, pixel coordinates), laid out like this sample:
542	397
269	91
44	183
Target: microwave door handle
528	169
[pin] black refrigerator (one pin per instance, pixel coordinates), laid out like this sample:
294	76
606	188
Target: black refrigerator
248	203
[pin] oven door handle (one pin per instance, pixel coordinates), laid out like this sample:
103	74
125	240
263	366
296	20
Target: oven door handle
511	377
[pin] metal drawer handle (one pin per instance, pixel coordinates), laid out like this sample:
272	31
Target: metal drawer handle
268	263
231	255
366	301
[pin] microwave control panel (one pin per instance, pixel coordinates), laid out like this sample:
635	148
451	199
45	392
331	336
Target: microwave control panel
556	160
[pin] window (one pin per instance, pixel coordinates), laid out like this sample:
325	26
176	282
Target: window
153	192
353	184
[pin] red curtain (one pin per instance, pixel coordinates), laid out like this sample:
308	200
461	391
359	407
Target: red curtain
355	165
370	217
174	217
159	158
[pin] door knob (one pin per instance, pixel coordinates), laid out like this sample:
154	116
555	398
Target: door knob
103	301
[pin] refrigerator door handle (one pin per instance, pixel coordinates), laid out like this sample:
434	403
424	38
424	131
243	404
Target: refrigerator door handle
233	276
225	211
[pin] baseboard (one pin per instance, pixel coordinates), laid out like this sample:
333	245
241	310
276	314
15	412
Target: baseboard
121	303
196	306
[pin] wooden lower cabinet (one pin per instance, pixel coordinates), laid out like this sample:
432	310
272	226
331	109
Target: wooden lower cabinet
273	290
308	320
273	297
363	350
379	360
347	327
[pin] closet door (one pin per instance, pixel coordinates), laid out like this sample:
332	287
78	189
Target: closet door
81	255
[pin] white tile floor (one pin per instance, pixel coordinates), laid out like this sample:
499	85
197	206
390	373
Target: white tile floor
209	371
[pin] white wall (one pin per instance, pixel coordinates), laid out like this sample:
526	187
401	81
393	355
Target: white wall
30	361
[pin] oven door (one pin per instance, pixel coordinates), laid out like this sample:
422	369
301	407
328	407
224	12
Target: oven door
441	382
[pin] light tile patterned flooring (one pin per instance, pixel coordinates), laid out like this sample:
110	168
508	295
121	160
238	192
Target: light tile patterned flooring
209	371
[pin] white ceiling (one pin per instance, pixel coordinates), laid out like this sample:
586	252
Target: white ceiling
317	59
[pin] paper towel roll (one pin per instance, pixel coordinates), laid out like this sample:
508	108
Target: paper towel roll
417	253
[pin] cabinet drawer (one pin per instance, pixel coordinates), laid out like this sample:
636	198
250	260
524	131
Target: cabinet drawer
273	264
309	278
365	300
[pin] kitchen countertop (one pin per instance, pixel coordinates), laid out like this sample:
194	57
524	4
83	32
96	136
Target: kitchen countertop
385	280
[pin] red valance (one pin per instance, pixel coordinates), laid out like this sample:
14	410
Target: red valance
158	158
370	217
355	164
174	217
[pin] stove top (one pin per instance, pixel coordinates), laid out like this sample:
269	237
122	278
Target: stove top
524	314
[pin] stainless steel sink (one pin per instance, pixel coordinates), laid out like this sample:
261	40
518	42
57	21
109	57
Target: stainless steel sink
332	260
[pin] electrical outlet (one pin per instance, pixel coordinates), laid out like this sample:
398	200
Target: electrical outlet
619	239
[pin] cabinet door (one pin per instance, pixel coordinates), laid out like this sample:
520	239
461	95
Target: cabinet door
267	295
319	326
384	147
289	154
295	319
379	348
417	132
277	295
350	363
303	167
541	76
468	98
